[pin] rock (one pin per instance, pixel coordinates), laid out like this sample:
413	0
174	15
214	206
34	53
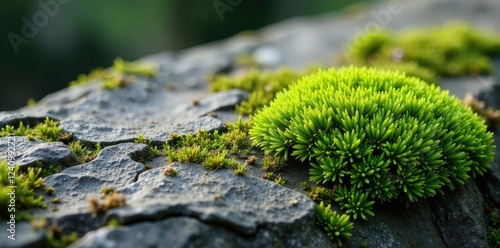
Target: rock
491	181
113	167
29	152
253	211
117	116
200	208
460	217
24	236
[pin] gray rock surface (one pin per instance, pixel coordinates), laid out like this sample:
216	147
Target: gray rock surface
460	217
113	167
29	152
218	209
240	211
24	236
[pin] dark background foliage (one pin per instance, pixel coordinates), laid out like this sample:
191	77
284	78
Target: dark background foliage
82	35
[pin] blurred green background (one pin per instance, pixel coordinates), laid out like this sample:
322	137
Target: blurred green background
82	35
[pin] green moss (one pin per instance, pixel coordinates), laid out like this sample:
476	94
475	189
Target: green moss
114	222
494	230
50	190
262	86
170	172
187	154
280	180
377	134
140	139
452	49
241	169
274	164
219	160
212	150
153	151
336	226
25	183
108	190
117	76
245	60
48	131
134	68
48	170
83	153
304	185
56	238
320	194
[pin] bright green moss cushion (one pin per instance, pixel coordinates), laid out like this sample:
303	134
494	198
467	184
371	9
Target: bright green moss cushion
378	135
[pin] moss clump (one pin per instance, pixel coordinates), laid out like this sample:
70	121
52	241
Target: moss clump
320	194
212	150
117	76
336	226
153	151
262	86
452	49
241	169
378	135
170	172
48	131
48	169
494	230
25	183
83	153
57	238
111	200
220	160
271	163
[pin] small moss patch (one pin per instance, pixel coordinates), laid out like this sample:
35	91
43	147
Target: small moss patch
117	76
22	197
452	49
48	131
214	150
262	85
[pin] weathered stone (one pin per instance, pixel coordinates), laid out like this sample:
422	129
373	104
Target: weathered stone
185	232
491	180
200	208
117	116
114	167
246	208
396	225
29	152
460	217
24	236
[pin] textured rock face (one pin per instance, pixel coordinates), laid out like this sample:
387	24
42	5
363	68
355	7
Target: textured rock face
218	208
200	208
29	152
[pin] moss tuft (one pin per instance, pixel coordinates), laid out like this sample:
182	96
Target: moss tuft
170	172
336	226
319	194
263	86
24	194
83	153
48	131
117	76
377	134
453	49
213	150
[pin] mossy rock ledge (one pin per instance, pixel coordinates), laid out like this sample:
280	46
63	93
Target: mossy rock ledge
106	182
